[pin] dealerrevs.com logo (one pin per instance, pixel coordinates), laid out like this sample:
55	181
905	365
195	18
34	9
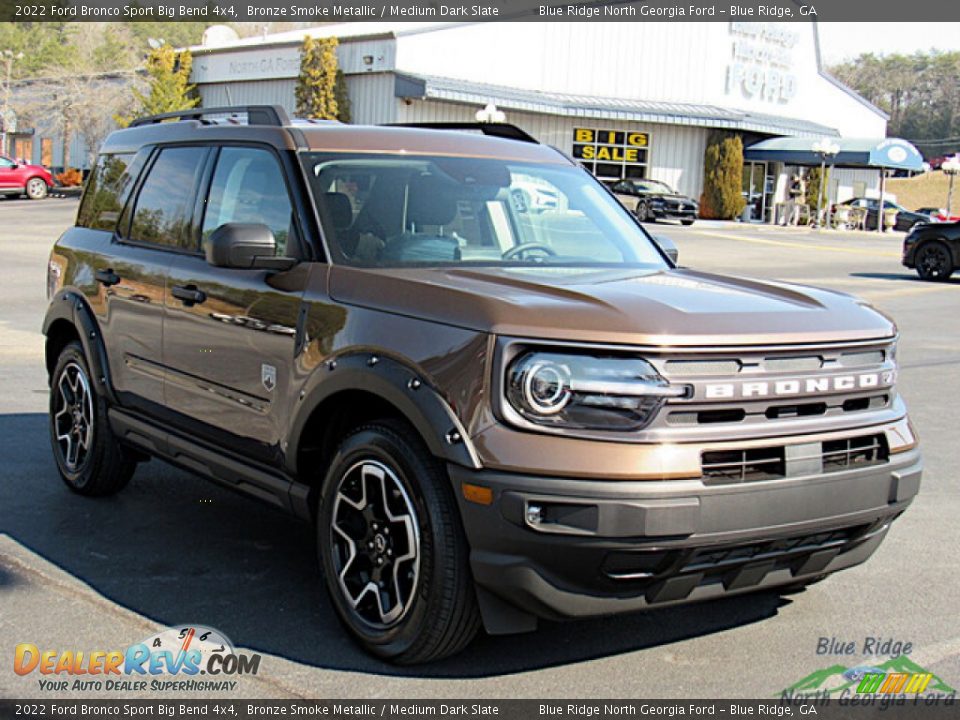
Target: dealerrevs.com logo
180	659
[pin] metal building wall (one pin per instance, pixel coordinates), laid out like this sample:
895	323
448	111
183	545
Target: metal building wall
676	152
257	92
371	95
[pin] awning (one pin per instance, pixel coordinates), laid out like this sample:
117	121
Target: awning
854	152
415	86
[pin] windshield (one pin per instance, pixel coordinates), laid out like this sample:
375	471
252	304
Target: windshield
653	186
393	211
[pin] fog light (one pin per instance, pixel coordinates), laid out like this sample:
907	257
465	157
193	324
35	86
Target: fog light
534	514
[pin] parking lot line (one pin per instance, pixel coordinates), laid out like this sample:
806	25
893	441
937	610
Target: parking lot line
801	246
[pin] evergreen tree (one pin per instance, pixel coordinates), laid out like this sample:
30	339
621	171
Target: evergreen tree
317	84
342	97
168	87
723	177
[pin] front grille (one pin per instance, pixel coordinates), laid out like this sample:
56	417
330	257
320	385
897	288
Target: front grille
726	467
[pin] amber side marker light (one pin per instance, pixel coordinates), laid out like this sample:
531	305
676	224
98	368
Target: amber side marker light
477	494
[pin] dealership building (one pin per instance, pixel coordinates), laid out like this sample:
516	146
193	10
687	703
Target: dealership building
634	100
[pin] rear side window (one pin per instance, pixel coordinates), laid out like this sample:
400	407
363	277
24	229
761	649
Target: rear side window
164	210
248	187
105	193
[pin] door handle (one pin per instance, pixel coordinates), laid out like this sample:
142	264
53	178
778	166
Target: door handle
107	277
189	295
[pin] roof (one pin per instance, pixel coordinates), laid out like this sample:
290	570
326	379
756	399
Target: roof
345	31
410	85
424	141
854	152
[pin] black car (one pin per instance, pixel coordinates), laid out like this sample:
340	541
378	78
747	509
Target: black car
933	250
652	200
906	219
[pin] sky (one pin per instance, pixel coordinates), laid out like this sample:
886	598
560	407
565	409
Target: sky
841	41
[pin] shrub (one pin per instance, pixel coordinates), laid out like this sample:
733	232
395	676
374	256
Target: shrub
722	198
71	177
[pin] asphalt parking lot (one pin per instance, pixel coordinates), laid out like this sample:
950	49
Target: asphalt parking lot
100	574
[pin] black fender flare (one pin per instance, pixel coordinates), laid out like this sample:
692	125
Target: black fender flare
72	306
398	384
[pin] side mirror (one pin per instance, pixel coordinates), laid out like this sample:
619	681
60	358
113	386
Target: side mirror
669	249
245	246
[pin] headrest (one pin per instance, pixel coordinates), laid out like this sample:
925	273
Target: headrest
339	209
431	201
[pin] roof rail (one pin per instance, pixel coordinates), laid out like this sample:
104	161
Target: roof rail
501	130
273	115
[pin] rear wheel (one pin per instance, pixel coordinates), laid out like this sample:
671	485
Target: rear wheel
89	458
933	261
686	222
36	189
394	556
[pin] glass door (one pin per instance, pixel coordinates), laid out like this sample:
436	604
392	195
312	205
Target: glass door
754	189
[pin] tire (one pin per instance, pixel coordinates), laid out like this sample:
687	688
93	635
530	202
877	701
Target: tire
933	261
36	189
89	458
382	479
686	222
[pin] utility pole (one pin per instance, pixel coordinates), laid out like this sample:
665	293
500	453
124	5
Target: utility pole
8	58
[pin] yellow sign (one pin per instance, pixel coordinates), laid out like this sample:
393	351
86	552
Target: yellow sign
611	137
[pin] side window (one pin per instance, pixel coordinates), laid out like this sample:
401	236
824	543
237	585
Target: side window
248	187
105	192
6	164
164	211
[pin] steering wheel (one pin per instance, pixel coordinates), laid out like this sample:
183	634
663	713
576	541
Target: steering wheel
524	248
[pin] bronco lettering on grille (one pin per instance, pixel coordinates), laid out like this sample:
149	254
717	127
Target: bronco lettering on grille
800	386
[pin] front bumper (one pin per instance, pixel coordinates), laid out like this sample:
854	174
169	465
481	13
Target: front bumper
661	212
604	547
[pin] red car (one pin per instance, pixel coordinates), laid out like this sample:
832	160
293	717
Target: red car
17	178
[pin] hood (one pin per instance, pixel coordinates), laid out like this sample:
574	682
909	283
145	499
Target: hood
628	306
668	196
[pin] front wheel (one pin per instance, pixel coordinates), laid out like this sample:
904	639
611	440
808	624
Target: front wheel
36	189
933	261
89	458
392	548
686	222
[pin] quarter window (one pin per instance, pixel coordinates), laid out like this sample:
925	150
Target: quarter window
164	212
248	187
105	192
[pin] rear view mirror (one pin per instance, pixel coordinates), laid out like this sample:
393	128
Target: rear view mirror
668	247
245	246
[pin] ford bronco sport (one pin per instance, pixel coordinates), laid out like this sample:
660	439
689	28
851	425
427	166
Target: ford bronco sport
492	412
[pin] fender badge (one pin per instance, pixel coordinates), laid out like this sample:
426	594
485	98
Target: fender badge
268	376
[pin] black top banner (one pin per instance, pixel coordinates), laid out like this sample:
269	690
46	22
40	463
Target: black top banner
218	11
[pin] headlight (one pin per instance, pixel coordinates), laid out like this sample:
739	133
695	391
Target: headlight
587	391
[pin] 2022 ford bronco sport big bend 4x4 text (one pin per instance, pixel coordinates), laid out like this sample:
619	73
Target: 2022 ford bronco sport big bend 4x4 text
491	411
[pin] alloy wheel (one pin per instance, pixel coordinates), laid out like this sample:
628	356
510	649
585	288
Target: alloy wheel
934	262
375	543
36	189
73	417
